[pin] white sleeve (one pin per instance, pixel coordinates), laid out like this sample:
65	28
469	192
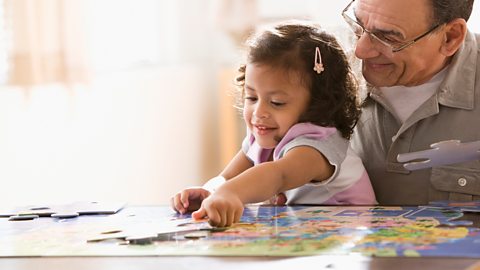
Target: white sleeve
214	183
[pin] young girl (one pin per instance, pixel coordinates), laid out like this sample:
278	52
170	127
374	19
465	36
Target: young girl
299	106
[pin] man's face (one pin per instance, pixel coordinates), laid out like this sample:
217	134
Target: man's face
398	22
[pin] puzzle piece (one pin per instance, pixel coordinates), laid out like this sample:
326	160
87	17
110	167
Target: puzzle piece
22	217
450	212
65	215
442	153
472	206
63	211
143	234
459	223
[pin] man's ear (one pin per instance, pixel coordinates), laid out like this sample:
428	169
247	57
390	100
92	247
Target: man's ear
455	32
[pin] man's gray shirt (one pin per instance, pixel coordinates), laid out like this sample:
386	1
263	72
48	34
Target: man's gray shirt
453	113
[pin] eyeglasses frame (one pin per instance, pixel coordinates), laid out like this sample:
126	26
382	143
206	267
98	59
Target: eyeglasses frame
383	42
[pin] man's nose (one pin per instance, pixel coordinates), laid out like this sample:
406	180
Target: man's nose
365	47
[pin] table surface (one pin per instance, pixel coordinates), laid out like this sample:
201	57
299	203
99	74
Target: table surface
21	258
234	263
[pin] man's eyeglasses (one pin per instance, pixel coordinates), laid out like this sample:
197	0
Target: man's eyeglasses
387	40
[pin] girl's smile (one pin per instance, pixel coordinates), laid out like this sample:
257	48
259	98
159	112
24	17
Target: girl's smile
263	130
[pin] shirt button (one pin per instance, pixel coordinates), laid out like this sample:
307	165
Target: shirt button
462	181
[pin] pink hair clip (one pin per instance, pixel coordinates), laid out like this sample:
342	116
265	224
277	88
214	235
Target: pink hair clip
318	66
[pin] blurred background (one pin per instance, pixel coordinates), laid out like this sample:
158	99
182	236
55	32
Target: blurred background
127	100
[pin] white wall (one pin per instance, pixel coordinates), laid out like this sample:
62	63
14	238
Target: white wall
474	21
133	137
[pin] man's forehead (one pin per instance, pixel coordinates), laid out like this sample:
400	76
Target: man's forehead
394	12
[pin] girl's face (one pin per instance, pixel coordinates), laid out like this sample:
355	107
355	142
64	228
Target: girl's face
274	101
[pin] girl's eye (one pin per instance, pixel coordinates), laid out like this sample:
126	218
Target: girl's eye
277	103
251	99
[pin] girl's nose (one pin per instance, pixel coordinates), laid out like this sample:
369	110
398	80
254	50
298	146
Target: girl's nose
261	111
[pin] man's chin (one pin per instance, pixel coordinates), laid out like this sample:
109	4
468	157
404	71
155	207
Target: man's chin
377	82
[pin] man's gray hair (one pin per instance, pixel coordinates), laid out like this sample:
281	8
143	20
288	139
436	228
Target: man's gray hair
445	11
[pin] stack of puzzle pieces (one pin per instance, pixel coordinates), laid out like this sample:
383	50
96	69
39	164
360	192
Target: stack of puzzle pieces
71	210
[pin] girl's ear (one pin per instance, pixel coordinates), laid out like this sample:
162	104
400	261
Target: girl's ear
454	35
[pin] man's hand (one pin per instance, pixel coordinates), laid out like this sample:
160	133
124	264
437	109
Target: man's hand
189	199
221	209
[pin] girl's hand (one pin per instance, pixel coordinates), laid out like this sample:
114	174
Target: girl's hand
278	200
188	199
221	209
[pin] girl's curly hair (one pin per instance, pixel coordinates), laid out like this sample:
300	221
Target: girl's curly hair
333	93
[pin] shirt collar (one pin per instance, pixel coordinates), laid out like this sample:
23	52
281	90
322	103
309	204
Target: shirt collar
458	88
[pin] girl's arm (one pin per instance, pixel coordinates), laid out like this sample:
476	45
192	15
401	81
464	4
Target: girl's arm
299	166
190	199
236	166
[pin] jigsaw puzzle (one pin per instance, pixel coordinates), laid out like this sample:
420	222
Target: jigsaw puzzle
425	231
61	211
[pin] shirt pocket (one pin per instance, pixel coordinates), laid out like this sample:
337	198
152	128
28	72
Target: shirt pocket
455	179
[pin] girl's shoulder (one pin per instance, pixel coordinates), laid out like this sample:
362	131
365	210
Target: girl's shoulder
326	140
308	130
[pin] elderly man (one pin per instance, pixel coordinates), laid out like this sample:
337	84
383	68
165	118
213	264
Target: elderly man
422	68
